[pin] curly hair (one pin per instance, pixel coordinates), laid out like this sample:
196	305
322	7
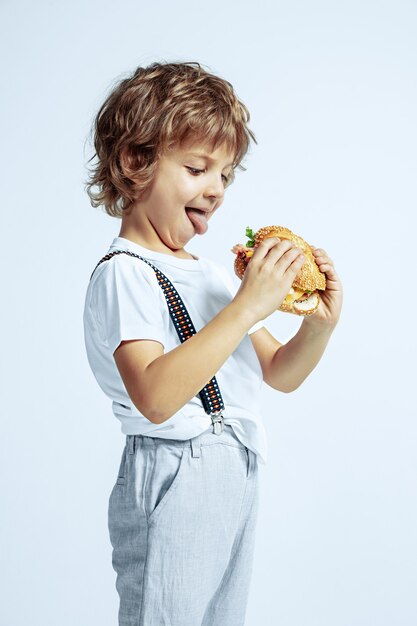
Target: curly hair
156	108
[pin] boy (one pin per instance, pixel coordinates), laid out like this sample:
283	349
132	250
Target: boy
182	512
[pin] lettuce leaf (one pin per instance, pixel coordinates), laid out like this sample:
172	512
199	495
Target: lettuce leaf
251	235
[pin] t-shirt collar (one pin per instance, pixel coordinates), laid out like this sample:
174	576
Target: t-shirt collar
122	243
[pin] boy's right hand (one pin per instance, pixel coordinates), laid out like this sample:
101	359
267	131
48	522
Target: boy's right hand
269	276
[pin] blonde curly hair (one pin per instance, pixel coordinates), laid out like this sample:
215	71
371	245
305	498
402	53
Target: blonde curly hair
158	107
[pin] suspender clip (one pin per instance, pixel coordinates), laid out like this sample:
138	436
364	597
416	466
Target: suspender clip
217	419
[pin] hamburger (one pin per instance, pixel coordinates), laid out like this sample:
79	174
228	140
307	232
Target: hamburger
303	297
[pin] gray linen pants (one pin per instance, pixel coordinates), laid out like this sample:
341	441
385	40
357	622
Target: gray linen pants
182	518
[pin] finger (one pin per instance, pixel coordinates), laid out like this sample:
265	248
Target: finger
273	252
330	272
265	245
291	256
319	251
321	256
297	263
323	259
276	252
324	265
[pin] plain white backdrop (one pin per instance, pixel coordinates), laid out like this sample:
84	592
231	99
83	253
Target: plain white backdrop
332	91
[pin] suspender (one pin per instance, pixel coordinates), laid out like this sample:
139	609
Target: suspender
210	395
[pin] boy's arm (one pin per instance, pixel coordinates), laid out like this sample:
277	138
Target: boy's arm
289	364
160	384
286	366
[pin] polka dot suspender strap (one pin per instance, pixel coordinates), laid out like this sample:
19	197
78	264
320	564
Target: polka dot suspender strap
210	395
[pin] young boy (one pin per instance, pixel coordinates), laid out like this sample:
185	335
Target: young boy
183	510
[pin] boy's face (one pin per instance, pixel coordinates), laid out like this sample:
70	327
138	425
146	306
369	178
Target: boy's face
183	179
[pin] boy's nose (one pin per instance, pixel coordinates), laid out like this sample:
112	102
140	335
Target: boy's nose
215	191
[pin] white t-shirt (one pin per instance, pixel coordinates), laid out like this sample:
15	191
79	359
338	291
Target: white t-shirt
125	301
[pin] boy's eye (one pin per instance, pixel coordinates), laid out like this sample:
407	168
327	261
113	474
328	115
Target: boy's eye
196	171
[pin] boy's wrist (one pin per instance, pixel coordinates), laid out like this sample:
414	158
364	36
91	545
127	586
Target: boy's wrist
244	314
318	327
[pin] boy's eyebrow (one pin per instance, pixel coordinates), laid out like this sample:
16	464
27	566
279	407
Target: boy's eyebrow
206	156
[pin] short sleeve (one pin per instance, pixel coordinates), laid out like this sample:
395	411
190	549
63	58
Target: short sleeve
232	288
256	327
128	303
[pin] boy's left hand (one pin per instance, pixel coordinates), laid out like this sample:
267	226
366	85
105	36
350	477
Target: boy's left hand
331	299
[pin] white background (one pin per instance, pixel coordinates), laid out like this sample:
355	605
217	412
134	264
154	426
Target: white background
332	91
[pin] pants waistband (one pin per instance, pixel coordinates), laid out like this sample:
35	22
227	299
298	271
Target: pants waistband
206	438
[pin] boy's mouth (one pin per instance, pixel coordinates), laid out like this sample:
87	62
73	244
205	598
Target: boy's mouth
198	219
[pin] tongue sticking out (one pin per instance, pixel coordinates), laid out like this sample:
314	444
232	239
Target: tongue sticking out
198	219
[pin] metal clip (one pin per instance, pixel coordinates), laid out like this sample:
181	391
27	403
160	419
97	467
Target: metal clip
217	420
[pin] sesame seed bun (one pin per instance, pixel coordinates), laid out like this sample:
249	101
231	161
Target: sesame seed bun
309	278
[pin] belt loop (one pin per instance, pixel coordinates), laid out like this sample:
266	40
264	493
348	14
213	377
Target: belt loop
130	443
195	444
251	460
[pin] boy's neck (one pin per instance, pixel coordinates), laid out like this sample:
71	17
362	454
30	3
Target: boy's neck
132	236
